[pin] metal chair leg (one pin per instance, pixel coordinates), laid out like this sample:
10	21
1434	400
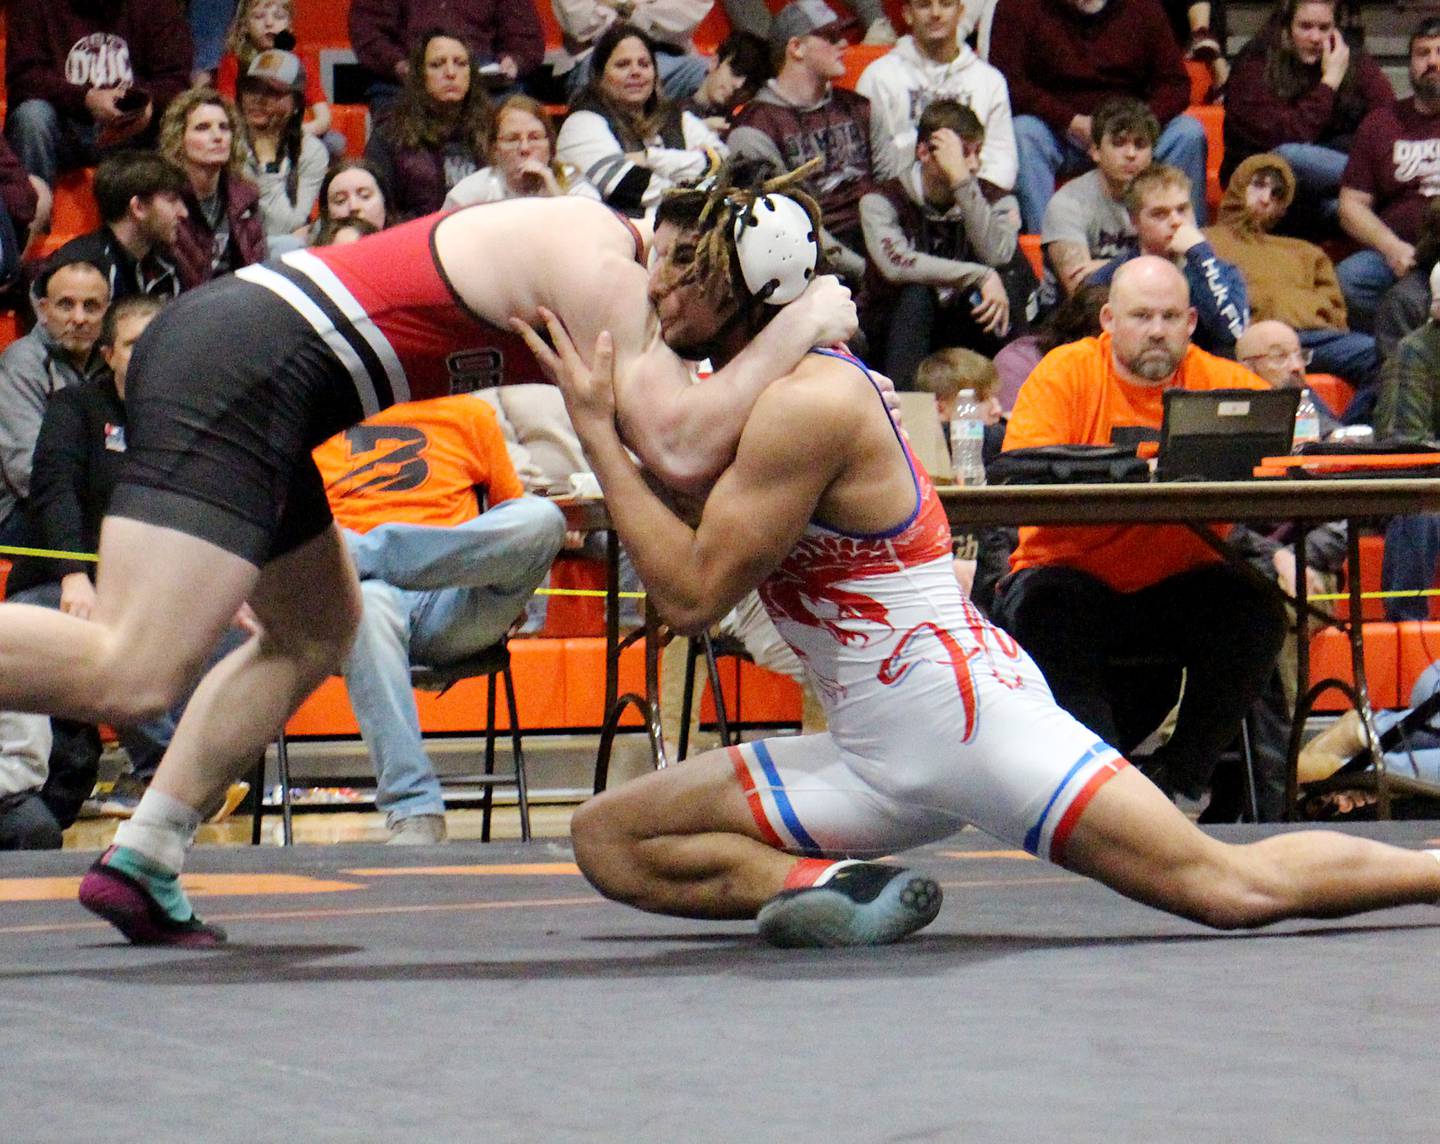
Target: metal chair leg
487	800
282	767
522	791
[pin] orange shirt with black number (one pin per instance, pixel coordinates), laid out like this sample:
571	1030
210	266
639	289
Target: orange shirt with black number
1075	397
421	462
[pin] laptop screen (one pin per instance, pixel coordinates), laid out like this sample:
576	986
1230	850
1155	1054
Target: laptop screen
1222	434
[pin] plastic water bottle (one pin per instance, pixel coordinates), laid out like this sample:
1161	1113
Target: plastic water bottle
967	440
1307	421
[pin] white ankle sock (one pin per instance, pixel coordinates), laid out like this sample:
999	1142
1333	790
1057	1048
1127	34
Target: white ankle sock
162	829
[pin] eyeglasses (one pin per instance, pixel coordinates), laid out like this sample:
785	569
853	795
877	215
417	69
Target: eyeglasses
516	140
1280	357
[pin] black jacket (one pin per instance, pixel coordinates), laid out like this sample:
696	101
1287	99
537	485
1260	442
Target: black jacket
77	461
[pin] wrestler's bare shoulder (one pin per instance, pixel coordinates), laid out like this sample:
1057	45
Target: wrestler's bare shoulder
822	388
507	258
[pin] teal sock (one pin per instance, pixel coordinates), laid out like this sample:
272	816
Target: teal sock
162	885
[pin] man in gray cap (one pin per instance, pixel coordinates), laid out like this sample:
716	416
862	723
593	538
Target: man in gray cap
799	116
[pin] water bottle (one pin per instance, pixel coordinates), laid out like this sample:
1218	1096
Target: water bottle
1307	421
967	440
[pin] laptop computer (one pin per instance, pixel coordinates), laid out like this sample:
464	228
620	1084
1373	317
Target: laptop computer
921	416
1223	434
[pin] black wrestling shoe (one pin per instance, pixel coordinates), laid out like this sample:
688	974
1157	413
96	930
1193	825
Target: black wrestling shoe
866	903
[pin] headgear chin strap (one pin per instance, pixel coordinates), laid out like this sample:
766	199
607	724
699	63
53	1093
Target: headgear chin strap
777	248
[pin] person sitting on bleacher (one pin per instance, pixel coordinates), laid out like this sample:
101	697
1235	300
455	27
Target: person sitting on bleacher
82	76
522	161
223	229
1083	599
20	194
501	34
283	160
624	136
929	64
437	132
800	115
448	548
73	296
1409	410
259	26
1158	200
740	65
1393	171
1288	278
1406	305
1063	58
1086	223
141	196
947	255
354	188
1300	89
669	24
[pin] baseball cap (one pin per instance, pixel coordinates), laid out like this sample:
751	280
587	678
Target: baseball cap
803	17
281	68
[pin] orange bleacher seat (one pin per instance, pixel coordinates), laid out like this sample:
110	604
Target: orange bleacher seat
1030	245
1335	392
9	327
1371	551
1419	648
1330	659
858	57
1212	118
352	120
712	30
326	23
74	211
4	576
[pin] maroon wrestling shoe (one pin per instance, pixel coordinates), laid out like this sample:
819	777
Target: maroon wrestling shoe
129	904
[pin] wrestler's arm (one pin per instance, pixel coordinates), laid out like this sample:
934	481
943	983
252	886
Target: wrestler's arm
754	515
686	431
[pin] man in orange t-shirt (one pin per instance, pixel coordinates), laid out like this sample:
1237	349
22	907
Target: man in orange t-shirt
449	548
1081	599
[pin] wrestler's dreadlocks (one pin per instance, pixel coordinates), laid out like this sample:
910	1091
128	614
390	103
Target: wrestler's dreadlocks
711	208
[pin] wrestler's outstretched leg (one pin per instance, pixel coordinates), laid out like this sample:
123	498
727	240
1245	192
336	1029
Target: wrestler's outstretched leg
1132	838
684	841
308	604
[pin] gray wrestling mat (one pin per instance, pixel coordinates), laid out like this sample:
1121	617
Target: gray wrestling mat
473	992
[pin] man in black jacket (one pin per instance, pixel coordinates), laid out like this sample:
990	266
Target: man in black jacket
140	196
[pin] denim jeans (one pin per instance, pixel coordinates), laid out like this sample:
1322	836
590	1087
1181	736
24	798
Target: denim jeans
1347	355
1317	184
209	21
680	75
1364	278
435	596
47	143
1044	156
1412	547
1422	758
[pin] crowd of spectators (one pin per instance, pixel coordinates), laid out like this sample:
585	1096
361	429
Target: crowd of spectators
213	147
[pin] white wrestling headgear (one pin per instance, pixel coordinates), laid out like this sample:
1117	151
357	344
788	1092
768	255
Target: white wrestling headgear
777	248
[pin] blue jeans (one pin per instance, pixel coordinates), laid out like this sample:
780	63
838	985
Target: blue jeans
1316	209
680	75
48	143
209	21
1044	157
435	596
1364	278
1347	355
1412	547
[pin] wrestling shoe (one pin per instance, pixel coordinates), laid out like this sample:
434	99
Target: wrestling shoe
865	903
131	902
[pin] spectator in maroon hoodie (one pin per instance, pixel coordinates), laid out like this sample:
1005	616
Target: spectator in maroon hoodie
19	201
1300	89
439	130
85	74
223	229
503	33
1063	58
